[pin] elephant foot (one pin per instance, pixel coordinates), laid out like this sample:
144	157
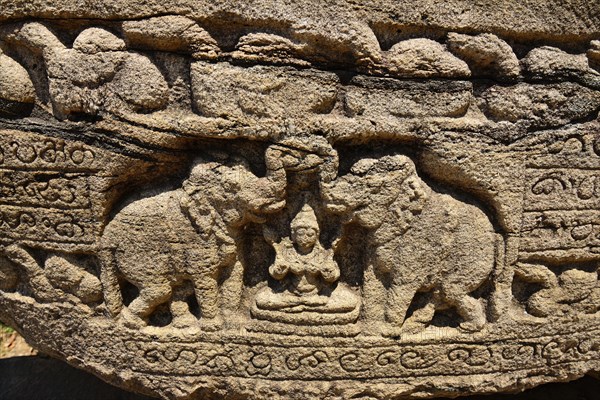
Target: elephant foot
184	321
182	317
44	291
420	318
412	327
542	305
394	318
211	324
472	312
392	331
471	326
130	320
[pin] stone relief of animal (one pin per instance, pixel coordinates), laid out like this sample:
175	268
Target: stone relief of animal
421	240
96	73
563	292
50	279
187	235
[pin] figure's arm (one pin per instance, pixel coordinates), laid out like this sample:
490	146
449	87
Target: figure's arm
276	173
278	270
329	169
336	242
330	270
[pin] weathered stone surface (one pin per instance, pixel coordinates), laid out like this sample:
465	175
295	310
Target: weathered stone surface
96	73
424	58
540	105
15	84
222	90
552	63
34	377
487	54
171	33
594	52
561	20
223	200
383	98
270	48
16	89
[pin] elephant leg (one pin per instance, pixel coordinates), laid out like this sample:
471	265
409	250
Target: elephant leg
470	309
180	310
233	286
150	297
398	301
421	317
544	302
206	290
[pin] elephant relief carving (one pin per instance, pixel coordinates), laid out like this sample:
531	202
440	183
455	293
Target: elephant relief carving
187	235
96	73
420	240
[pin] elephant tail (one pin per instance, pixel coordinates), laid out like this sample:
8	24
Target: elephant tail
110	282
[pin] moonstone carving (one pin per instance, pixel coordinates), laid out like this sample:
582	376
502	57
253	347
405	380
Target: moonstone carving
268	200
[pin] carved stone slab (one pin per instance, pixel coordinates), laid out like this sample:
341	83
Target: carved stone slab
334	201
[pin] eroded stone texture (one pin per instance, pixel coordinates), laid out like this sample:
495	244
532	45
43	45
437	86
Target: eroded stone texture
16	89
424	58
487	54
392	200
170	33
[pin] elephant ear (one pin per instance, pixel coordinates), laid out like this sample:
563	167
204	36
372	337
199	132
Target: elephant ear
200	213
409	203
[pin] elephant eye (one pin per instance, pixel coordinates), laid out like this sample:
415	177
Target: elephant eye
230	186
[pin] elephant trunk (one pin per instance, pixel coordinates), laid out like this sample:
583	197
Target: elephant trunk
271	189
110	282
336	196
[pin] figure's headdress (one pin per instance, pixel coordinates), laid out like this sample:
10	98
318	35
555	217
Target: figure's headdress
305	218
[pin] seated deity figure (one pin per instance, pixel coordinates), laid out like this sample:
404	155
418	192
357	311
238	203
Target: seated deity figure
308	291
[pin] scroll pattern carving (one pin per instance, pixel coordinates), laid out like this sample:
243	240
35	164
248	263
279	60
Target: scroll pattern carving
45	190
373	363
561	200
